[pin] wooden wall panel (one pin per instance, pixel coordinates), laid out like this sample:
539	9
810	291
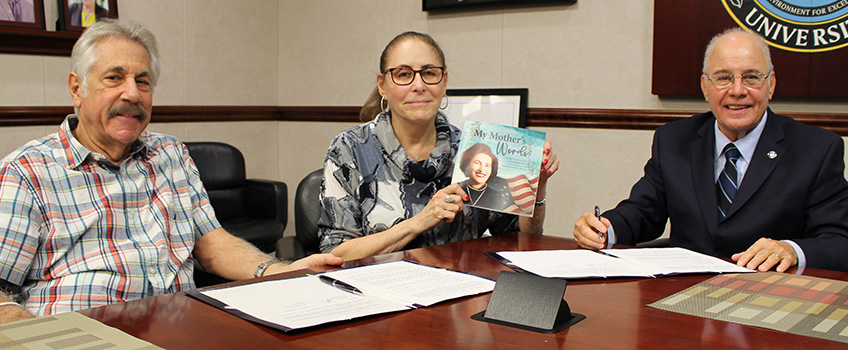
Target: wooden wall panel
623	119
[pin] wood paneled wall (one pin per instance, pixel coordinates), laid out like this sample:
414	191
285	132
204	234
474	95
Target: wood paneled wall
626	119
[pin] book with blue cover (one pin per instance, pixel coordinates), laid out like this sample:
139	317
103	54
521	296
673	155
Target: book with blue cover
498	166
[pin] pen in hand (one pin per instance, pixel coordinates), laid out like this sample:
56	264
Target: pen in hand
598	216
339	284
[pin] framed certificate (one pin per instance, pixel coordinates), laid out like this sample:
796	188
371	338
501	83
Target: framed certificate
500	106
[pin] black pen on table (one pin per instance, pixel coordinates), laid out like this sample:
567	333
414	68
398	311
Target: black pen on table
339	284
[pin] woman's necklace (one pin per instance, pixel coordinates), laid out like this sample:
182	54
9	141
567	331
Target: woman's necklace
425	152
470	190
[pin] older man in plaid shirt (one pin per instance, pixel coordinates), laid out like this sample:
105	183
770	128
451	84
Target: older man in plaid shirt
103	211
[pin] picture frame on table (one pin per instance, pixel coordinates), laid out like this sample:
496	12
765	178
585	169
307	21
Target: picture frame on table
22	14
500	106
74	18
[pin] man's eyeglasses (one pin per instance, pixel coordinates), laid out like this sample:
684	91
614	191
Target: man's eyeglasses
752	80
405	75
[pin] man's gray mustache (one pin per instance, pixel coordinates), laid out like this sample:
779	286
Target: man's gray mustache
124	109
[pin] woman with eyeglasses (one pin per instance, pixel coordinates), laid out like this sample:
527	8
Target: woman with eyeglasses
387	183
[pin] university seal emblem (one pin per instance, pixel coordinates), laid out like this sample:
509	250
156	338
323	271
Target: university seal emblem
794	25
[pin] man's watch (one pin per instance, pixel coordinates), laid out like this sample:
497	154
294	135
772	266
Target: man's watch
260	270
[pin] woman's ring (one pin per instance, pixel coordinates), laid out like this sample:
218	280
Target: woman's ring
448	199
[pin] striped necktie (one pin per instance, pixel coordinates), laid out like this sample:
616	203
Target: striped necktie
726	185
16	9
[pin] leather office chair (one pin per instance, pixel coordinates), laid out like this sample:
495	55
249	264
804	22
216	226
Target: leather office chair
307	212
256	210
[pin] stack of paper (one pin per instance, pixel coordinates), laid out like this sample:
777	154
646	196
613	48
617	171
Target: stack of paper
344	294
646	262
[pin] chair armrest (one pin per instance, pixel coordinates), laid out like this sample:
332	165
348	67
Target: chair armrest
289	248
266	199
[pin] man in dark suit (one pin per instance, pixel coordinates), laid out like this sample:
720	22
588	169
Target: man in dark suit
729	178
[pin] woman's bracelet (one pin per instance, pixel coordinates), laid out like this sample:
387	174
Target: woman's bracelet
542	202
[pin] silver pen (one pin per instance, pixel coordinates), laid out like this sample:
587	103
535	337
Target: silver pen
598	216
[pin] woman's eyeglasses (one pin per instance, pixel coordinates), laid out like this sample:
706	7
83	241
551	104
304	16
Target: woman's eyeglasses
405	75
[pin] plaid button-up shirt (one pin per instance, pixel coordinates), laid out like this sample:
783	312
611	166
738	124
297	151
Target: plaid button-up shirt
79	232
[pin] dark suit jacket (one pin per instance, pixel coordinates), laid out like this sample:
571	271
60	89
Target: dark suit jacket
800	195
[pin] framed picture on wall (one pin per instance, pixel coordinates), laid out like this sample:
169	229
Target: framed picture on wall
76	15
428	5
501	106
22	14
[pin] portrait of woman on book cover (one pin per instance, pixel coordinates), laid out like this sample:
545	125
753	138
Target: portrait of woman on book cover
484	188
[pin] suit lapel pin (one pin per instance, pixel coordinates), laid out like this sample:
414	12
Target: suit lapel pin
772	154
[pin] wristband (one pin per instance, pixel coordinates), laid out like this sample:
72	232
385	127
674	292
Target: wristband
260	270
7	303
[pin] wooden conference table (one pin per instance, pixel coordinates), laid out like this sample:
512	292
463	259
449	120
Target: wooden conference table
616	315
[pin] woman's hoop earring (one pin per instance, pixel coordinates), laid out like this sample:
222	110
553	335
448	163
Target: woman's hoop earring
386	108
444	98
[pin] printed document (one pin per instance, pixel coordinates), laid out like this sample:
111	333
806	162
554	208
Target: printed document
644	262
354	292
